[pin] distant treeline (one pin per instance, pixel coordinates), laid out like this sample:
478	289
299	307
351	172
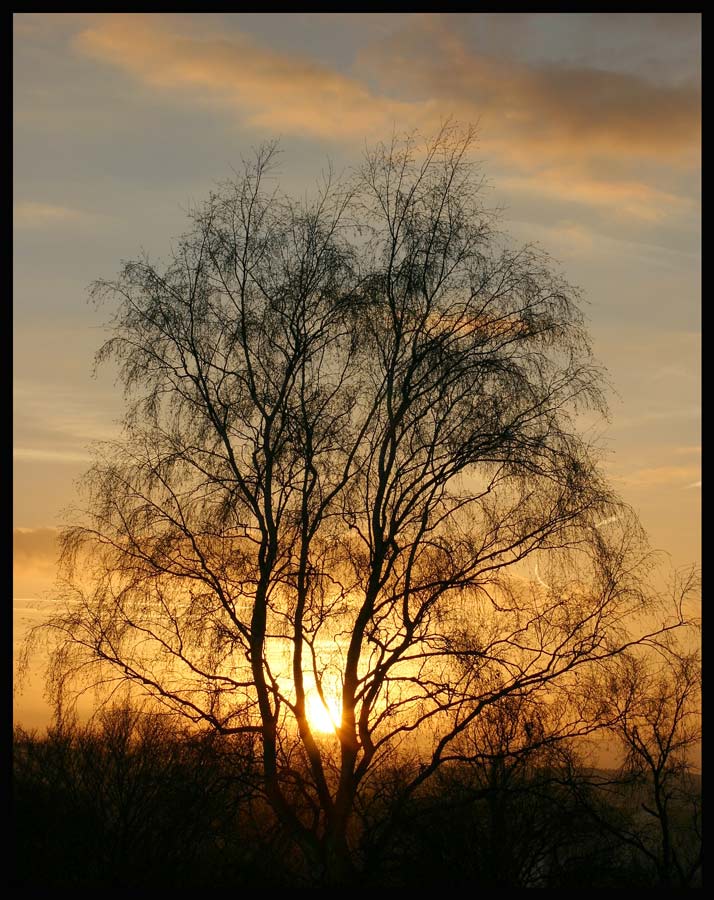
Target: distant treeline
135	800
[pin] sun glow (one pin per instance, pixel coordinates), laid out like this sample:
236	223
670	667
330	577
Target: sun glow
324	717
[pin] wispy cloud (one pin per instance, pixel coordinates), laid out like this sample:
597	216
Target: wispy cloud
36	454
55	424
674	414
571	132
661	476
35	552
425	69
607	521
628	199
32	214
288	93
563	110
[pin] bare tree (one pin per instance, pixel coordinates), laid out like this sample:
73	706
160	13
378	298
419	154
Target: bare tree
352	429
655	698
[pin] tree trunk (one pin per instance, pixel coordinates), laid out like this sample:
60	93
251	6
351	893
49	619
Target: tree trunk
339	868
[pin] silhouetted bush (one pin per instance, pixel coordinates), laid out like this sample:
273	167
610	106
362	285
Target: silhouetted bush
136	800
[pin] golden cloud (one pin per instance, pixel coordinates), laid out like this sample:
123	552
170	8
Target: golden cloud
630	199
556	125
556	111
274	90
39	215
35	555
661	476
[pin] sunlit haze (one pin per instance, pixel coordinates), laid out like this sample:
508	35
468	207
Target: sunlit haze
324	717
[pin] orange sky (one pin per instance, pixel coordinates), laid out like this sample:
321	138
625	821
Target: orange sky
589	136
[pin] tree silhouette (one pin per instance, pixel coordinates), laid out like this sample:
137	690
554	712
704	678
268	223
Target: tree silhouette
652	700
352	432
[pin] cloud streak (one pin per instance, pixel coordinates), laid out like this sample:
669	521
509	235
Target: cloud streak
37	454
273	90
661	476
560	127
560	110
34	215
35	552
628	199
53	424
424	70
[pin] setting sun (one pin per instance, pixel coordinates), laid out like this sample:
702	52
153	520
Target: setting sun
323	717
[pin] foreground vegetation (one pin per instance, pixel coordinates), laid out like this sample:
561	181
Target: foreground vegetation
134	800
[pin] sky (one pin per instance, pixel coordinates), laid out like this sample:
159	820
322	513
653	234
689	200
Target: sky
588	136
